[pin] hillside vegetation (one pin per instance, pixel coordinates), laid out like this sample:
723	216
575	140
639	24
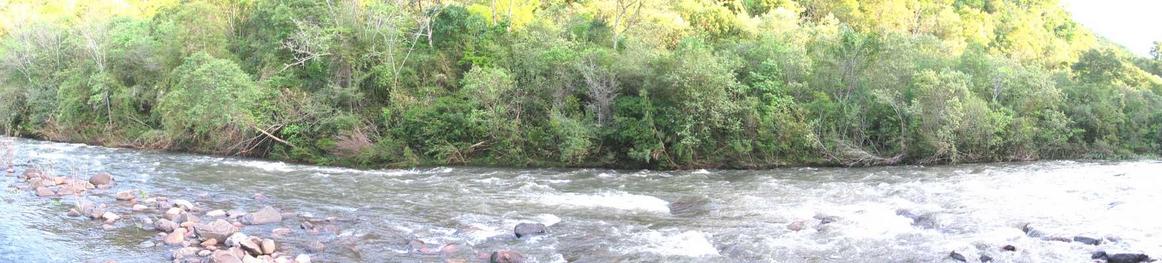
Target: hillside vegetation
659	84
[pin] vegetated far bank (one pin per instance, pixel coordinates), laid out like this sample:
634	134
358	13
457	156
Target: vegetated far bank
660	84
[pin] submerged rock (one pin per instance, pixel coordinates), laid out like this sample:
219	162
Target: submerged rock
44	192
1009	248
316	247
985	258
506	256
1087	240
689	206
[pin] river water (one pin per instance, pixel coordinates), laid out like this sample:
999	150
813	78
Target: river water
600	215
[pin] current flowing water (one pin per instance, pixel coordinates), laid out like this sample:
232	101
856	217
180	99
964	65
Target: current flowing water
600	215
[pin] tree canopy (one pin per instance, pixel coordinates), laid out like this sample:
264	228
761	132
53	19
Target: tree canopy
619	83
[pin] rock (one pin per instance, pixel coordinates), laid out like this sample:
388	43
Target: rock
139	208
177	237
1031	231
216	213
280	232
110	217
183	204
316	247
920	220
957	256
210	242
985	258
101	179
689	206
31	173
250	246
797	226
268	246
164	225
235	213
266	215
218	230
302	258
1009	248
529	229
173	213
185	252
1122	258
251	259
66	190
44	192
146	244
108	227
224	256
236	238
1087	240
826	219
205	253
506	257
125	196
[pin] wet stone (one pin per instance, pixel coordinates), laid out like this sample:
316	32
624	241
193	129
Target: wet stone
101	179
1087	240
957	256
506	257
266	215
529	229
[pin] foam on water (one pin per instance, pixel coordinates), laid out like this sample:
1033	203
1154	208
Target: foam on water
689	243
605	200
264	165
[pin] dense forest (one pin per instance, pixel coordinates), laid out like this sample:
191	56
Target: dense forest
663	84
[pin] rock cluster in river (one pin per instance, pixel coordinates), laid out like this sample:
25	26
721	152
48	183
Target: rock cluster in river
195	234
217	238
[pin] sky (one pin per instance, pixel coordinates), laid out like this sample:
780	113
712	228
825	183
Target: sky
1134	24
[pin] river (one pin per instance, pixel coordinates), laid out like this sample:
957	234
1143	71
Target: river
879	214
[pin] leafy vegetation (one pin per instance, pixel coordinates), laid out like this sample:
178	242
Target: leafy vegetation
622	83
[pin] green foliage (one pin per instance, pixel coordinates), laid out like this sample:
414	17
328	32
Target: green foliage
211	100
642	84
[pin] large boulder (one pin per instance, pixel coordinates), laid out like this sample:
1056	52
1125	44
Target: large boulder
266	215
219	230
529	229
101	179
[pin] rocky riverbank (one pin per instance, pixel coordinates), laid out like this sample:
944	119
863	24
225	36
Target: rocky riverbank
189	231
